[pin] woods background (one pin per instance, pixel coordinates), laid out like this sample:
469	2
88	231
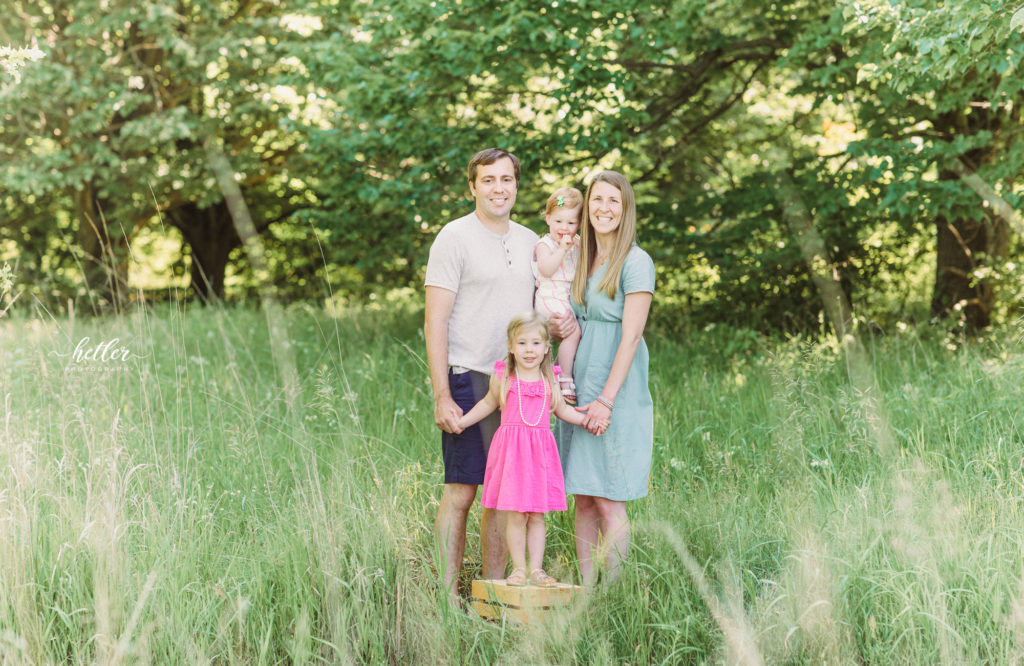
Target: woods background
889	130
258	485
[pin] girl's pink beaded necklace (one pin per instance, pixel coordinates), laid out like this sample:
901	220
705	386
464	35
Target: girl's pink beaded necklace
519	395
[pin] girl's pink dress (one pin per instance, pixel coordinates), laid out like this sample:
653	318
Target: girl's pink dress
524	472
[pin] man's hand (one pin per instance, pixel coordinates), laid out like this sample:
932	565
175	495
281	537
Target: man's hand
562	325
439	304
447	414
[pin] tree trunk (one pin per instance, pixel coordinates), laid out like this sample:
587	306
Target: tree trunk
104	260
962	246
210	235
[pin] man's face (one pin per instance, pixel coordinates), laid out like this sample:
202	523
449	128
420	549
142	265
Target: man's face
495	189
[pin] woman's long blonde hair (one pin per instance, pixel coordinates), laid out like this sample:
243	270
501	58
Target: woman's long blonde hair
625	237
520	323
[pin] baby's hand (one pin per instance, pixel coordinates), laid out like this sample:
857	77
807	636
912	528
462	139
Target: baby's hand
566	241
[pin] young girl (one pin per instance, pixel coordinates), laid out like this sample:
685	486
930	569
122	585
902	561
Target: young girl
523	477
554	264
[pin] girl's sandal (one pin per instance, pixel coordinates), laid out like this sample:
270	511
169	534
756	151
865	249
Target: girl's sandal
540	578
568	388
517	578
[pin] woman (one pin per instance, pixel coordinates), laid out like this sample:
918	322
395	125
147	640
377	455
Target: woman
608	460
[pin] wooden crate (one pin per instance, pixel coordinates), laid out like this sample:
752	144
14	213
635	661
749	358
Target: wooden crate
528	603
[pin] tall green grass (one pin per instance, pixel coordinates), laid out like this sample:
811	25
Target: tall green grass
222	499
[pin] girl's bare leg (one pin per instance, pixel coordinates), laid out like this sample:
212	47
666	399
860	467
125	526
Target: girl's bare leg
535	538
515	537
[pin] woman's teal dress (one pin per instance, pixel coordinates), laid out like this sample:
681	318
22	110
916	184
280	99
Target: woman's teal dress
617	464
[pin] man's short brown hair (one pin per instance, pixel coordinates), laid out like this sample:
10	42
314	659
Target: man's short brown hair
490	156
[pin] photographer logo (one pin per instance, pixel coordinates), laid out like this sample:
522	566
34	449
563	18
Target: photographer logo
103	356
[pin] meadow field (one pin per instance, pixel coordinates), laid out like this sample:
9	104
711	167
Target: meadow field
232	486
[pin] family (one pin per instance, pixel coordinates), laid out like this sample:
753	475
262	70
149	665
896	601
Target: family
496	295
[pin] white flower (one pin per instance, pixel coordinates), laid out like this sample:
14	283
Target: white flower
12	59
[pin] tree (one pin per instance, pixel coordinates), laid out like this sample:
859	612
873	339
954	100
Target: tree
349	125
690	100
112	125
651	89
936	95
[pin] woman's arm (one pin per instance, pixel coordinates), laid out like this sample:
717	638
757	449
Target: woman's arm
634	319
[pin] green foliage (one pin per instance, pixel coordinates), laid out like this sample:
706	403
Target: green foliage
110	127
702	107
349	127
933	92
647	89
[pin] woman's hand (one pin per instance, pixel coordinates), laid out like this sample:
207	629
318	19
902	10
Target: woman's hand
597	417
562	324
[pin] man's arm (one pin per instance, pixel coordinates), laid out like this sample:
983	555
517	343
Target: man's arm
439	304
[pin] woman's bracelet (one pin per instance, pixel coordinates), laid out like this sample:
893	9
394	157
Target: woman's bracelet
604	402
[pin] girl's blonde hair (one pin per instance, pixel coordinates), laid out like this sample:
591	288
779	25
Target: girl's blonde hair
524	322
565	197
625	237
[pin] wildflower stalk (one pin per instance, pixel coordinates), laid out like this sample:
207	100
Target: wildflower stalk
6	287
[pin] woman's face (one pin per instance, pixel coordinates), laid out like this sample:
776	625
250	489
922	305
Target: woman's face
605	207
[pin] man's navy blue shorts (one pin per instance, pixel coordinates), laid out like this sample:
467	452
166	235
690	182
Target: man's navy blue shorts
465	454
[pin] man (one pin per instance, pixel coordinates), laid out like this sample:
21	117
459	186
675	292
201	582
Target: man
478	278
